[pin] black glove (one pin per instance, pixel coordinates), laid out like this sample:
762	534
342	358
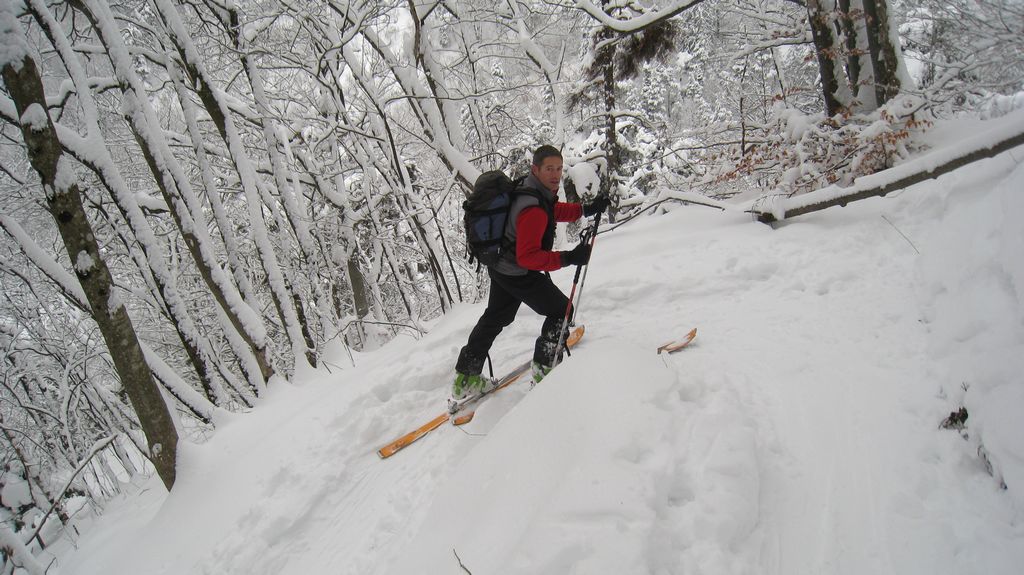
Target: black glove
578	256
598	206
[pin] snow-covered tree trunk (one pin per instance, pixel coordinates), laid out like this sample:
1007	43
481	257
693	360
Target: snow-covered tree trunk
884	49
64	202
821	15
356	218
386	250
410	203
250	332
858	33
396	174
282	287
170	177
226	233
858	64
605	60
93	152
348	253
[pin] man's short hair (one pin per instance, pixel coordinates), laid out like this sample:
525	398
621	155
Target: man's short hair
544	152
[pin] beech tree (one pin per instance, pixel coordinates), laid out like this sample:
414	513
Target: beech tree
63	199
858	56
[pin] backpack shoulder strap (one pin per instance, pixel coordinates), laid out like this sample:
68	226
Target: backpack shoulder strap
522	198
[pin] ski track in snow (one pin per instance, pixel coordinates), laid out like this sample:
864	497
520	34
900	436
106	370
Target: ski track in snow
796	435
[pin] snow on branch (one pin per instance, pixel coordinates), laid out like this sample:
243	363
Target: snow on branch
201	407
1008	134
637	24
797	40
41	259
95	450
13	48
12	545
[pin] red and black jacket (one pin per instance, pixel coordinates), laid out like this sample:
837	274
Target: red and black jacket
535	211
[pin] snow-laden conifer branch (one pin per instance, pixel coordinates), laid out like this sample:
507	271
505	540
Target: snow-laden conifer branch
637	23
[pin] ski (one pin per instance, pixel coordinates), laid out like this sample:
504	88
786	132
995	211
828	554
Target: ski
464	418
674	346
459	418
409	438
457	406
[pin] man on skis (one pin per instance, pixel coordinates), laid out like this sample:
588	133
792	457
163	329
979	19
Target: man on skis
520	275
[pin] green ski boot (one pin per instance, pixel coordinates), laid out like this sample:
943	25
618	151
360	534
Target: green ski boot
539	372
467	385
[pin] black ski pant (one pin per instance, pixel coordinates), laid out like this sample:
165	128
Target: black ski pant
539	293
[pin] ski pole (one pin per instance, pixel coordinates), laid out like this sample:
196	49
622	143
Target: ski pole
586	269
572	293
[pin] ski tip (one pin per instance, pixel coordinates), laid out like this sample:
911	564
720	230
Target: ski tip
678	345
575	336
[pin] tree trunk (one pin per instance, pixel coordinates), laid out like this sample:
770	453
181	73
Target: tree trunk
360	295
606	60
142	117
64	201
611	132
884	59
834	90
848	24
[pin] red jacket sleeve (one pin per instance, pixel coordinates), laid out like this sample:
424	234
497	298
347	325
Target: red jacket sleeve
568	212
530	226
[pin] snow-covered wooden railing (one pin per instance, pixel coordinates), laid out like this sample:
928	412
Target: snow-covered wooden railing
1006	136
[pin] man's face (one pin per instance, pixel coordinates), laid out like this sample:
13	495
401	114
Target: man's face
549	172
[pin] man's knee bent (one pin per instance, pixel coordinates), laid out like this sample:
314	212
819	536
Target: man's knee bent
499	317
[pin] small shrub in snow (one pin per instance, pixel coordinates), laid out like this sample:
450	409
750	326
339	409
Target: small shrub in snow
956	420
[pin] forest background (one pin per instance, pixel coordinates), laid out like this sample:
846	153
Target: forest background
198	197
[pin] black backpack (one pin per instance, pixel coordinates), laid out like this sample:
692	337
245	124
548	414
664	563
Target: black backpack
486	214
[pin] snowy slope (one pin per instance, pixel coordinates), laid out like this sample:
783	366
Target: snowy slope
797	435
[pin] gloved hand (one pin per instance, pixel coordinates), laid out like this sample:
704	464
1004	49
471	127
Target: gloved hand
578	256
598	206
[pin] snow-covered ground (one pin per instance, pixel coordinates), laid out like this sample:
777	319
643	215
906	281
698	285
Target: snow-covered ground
799	434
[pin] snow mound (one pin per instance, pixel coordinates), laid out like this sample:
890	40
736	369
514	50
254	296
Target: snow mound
595	471
972	288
